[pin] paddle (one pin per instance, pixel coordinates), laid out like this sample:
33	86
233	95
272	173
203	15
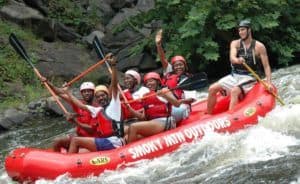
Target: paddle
22	52
197	81
88	70
261	81
99	50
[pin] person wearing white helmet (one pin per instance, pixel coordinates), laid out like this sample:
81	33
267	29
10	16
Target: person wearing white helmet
240	81
87	91
106	118
83	117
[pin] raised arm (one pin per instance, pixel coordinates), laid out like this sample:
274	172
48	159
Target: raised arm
160	50
74	100
114	78
57	91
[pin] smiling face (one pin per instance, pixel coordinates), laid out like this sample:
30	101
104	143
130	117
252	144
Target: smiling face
179	67
87	95
102	98
129	81
244	32
152	84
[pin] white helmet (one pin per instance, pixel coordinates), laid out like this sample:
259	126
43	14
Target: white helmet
87	85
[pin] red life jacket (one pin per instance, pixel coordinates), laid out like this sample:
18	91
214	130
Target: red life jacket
103	125
84	117
171	80
155	108
136	105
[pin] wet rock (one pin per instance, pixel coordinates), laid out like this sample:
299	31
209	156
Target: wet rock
13	117
52	107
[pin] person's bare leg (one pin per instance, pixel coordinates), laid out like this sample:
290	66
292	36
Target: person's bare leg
212	97
61	142
82	142
145	129
235	92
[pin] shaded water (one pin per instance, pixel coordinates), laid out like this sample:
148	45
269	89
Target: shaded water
266	153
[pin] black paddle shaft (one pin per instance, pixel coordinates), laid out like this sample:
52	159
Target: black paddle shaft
15	43
99	50
197	81
98	47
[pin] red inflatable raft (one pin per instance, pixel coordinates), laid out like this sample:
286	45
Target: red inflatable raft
31	164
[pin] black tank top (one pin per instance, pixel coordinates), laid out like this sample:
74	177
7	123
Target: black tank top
250	58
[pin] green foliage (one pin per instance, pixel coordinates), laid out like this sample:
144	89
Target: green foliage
73	14
203	29
3	2
12	67
29	93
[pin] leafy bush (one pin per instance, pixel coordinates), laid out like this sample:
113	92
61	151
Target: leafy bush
12	68
203	30
3	2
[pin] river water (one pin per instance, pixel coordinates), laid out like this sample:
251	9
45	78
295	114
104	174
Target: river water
266	153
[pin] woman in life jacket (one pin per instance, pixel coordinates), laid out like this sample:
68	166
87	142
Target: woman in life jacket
157	104
106	118
134	91
174	74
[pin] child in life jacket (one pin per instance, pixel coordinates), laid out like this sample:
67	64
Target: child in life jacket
106	118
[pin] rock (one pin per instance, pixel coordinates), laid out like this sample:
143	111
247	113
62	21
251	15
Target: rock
118	4
38	5
13	117
64	60
20	13
121	16
104	10
89	39
121	40
145	5
65	33
52	106
142	61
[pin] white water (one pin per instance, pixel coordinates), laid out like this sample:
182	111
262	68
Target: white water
261	151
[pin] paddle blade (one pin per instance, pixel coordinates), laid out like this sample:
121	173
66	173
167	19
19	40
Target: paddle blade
197	81
98	47
14	42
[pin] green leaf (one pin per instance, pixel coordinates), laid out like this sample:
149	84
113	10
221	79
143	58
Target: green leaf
269	20
226	22
209	50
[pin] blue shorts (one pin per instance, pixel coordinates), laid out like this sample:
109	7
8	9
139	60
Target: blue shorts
108	143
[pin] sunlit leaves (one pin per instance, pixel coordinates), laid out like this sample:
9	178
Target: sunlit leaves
226	22
268	20
200	29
